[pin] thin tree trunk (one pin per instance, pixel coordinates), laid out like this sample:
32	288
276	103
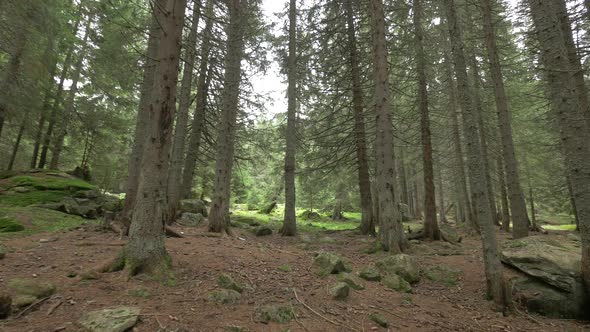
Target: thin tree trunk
493	267
565	105
464	205
441	194
391	231
69	105
573	203
192	154
11	72
145	251
483	135
503	195
141	122
219	215
516	196
367	218
178	146
289	223
403	178
19	137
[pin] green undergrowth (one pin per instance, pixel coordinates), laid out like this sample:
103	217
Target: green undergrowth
567	227
38	220
51	183
324	223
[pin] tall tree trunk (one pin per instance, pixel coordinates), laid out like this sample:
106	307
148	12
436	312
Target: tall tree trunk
11	72
573	202
441	194
69	105
19	137
483	135
565	105
141	121
516	196
46	102
145	251
503	195
403	176
289	223
178	146
463	205
201	104
431	230
367	217
219	215
493	267
390	222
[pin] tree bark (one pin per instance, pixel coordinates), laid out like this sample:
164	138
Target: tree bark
141	121
503	195
441	195
178	145
516	196
565	105
493	267
367	217
219	215
201	106
289	222
12	72
145	251
19	137
391	231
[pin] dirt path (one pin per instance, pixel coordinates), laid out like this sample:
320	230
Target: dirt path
254	262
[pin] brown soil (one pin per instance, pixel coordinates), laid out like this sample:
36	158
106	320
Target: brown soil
198	261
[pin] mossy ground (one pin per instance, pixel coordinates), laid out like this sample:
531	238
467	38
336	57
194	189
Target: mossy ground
38	220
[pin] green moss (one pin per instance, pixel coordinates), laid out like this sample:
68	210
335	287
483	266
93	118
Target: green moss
567	227
276	313
40	220
140	292
51	183
374	247
285	268
9	226
32	197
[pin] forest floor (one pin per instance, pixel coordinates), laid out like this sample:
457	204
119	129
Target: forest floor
273	270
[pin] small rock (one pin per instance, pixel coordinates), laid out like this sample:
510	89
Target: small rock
225	296
191	219
370	273
110	320
5	305
193	206
89	275
403	265
263	231
226	282
379	320
21	190
35	288
397	283
351	280
449	234
340	291
414	241
276	313
328	263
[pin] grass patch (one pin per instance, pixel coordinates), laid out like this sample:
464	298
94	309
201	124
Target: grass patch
10	226
32	197
285	268
566	227
39	220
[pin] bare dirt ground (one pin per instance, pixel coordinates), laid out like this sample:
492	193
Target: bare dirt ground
253	261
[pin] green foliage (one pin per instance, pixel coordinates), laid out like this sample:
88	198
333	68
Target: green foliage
32	197
9	226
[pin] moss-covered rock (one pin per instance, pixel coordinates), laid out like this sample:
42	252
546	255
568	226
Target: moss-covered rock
379	320
263	231
448	276
225	296
226	282
110	320
351	280
8	225
328	263
36	288
370	273
403	265
397	283
21	301
340	291
275	313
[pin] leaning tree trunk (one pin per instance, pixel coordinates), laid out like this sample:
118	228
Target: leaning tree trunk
192	153
565	105
367	218
493	267
289	223
219	215
19	136
516	196
145	251
178	146
141	121
391	231
431	230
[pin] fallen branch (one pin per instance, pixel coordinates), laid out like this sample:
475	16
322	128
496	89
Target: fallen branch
53	307
34	304
322	316
386	311
172	233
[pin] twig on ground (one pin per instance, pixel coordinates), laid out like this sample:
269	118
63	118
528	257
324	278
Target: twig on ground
322	316
54	306
34	304
386	311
